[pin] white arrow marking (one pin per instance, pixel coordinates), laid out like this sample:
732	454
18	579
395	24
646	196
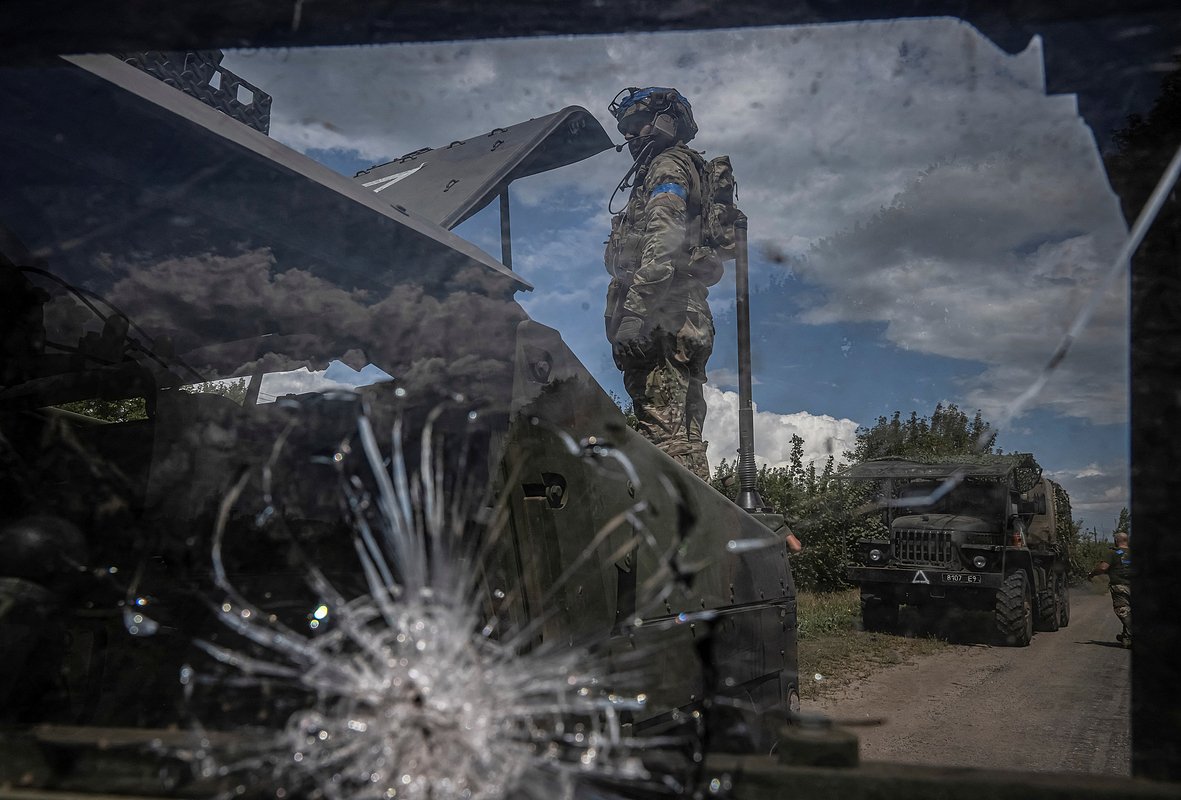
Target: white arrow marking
390	180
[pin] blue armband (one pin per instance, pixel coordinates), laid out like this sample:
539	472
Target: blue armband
671	188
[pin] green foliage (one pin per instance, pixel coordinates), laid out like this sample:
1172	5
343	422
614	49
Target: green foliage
777	485
629	411
1089	547
828	522
1124	525
947	432
1071	538
110	410
136	407
1089	551
233	389
821	511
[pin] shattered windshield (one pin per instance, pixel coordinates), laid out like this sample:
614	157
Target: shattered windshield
419	421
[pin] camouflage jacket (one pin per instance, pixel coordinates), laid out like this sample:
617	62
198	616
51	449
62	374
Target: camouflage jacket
648	254
1119	566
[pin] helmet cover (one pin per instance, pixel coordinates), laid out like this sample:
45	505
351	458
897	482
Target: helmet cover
641	106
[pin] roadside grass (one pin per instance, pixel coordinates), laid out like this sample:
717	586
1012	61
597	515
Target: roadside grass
830	612
834	652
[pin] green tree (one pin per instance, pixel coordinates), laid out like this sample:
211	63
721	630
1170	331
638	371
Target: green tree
1124	524
777	485
822	511
134	408
947	432
628	409
233	389
797	457
1080	547
109	410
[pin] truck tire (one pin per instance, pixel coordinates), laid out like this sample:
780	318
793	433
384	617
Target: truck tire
1063	602
1047	605
1014	610
878	614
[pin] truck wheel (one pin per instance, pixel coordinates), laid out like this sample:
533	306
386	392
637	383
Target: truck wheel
878	614
1063	602
1014	610
1047	606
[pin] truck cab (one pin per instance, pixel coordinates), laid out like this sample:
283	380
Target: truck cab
978	534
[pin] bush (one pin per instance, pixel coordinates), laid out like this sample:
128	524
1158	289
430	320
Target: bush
1084	556
822	512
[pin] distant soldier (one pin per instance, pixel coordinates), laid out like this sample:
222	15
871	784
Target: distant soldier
658	318
1118	568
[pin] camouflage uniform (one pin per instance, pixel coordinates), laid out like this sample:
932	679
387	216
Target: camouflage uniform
1119	576
648	257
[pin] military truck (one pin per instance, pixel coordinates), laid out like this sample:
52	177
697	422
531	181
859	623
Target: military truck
981	533
194	317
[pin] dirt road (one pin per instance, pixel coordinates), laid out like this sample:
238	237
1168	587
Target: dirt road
1061	704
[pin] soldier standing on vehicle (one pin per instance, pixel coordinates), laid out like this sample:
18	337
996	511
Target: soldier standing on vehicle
658	319
1118	569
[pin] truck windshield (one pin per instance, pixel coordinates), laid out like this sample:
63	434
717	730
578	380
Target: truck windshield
987	500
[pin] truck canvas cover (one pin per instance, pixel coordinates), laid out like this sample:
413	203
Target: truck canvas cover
993	467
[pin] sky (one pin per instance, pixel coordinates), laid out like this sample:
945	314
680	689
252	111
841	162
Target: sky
925	220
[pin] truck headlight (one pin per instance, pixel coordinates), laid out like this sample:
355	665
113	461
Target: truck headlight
876	555
979	562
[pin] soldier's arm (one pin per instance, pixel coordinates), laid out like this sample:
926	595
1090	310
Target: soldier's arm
665	230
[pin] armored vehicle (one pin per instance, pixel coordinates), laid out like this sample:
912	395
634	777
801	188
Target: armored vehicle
979	534
195	320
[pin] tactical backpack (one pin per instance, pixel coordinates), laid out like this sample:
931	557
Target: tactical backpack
713	226
711	213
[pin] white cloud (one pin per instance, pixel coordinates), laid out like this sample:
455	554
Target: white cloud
1097	492
729	377
906	172
960	269
823	435
548	256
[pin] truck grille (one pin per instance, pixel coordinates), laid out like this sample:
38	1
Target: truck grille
932	548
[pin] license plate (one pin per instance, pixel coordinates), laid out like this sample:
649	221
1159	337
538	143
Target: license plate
960	577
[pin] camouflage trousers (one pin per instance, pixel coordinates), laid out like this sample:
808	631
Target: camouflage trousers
666	391
1121	602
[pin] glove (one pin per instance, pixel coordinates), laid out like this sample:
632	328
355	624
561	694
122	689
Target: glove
630	341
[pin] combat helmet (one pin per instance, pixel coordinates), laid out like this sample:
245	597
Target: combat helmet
666	109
